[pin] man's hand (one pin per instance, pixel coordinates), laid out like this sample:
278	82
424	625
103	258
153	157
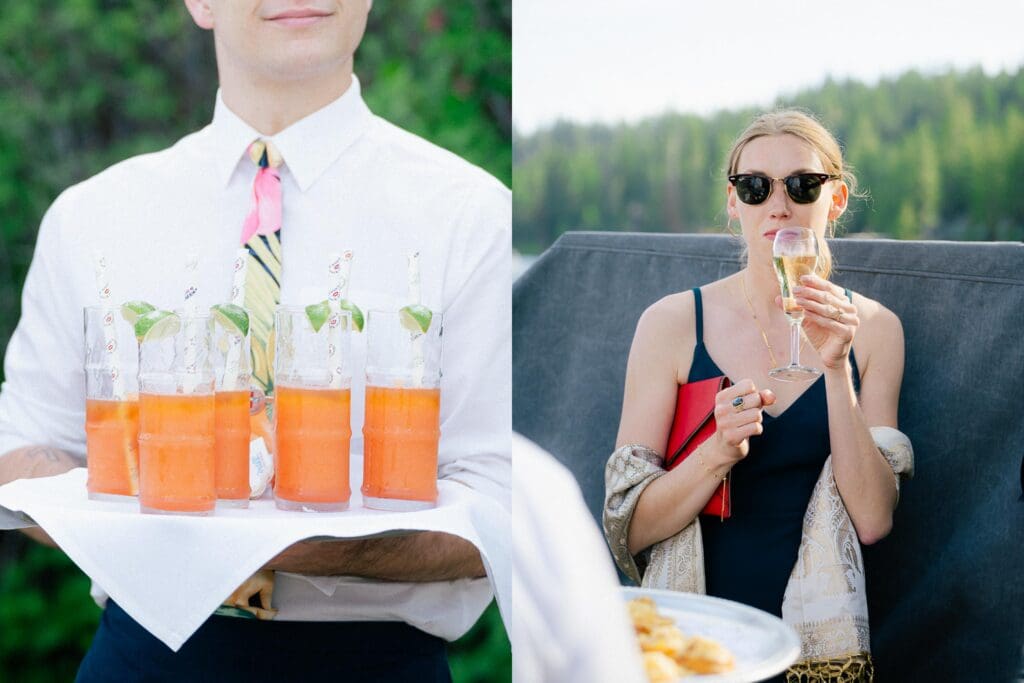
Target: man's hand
33	462
262	584
418	556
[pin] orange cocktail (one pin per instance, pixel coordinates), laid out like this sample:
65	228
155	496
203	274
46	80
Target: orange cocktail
112	447
231	447
111	403
400	437
311	459
176	449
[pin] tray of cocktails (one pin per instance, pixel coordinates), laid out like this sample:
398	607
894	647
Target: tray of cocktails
68	493
171	571
177	508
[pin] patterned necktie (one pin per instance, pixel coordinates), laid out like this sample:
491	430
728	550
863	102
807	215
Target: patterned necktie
261	235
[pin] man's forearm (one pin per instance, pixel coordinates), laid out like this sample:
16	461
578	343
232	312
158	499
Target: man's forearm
418	556
32	462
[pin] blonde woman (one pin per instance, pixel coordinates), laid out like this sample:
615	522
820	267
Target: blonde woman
805	460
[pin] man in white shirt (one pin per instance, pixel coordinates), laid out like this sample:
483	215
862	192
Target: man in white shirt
570	623
349	180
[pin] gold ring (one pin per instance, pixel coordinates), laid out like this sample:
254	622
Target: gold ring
837	313
737	403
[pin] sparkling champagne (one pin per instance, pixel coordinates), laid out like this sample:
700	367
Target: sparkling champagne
790	269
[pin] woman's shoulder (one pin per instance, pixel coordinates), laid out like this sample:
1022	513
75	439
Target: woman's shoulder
880	332
670	318
875	318
673	309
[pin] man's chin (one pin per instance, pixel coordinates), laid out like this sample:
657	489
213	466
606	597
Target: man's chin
297	61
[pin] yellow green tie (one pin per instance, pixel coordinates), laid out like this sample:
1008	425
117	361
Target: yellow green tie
261	235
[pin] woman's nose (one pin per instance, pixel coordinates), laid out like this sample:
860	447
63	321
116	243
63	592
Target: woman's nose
778	200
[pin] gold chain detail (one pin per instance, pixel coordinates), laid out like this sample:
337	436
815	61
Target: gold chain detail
709	470
725	478
854	669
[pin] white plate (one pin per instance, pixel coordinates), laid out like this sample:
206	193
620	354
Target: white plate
762	644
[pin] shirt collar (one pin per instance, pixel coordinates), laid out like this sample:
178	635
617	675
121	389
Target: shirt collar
308	146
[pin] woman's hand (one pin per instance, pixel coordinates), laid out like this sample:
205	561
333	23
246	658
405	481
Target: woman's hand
738	415
830	319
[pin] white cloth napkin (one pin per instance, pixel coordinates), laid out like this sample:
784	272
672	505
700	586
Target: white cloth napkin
170	572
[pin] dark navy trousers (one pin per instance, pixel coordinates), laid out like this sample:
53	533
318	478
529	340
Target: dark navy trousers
227	649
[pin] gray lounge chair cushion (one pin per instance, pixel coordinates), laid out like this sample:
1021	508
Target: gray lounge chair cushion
946	588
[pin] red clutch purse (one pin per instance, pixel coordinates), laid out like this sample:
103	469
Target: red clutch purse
694	422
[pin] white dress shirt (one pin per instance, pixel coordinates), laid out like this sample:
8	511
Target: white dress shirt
570	623
350	180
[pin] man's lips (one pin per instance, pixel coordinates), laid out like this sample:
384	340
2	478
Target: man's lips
299	17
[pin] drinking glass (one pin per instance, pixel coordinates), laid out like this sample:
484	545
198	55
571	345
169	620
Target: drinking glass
312	411
231	364
794	254
176	420
111	405
401	428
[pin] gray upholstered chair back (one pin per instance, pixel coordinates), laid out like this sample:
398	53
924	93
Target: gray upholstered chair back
946	588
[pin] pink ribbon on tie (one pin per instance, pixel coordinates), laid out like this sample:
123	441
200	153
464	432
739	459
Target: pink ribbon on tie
265	216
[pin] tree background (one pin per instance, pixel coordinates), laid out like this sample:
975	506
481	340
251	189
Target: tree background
940	157
87	83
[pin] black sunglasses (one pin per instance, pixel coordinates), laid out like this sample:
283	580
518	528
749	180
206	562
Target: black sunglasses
802	188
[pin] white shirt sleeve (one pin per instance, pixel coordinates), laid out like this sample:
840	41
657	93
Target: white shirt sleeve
569	623
476	383
42	399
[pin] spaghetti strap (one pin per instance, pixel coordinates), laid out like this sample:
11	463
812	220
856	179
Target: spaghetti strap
854	370
699	310
702	367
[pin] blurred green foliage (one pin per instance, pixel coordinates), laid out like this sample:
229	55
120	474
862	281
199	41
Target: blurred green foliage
46	615
941	157
87	83
484	654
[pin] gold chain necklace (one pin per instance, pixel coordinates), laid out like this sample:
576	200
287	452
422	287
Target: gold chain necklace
764	335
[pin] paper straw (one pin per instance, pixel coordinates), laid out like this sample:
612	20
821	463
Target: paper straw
339	272
109	331
191	334
414	277
238	283
413	272
338	268
230	382
346	272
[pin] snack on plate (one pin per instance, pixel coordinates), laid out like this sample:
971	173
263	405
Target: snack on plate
662	669
668	653
667	639
706	656
645	615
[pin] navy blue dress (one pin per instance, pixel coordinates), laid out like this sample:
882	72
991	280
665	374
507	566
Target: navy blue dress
749	556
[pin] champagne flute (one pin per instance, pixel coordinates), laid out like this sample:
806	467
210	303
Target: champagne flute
794	254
